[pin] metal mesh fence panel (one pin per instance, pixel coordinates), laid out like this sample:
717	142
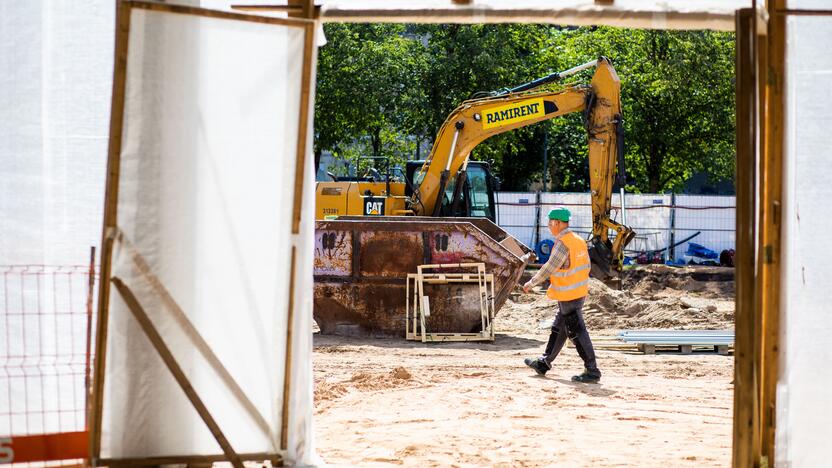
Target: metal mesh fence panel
660	220
45	320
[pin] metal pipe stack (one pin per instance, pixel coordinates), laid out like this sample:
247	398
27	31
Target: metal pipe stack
678	337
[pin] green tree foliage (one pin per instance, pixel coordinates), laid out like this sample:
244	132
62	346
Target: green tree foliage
380	87
465	59
677	92
368	91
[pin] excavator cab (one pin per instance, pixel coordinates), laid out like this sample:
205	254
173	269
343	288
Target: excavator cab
475	199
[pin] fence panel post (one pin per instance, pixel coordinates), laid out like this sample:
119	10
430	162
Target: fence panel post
536	236
671	254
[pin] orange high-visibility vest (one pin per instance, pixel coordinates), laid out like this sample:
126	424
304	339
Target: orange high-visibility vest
572	283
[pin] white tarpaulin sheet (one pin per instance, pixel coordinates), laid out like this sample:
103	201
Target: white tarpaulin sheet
652	14
804	408
54	114
55	82
206	193
712	216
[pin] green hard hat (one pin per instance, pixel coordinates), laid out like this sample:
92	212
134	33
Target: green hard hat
560	213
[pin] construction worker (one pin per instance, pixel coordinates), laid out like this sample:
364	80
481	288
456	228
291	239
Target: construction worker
568	271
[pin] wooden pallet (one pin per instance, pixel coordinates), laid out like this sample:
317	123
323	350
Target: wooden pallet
417	304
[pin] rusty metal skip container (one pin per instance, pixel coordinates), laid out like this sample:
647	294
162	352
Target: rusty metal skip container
361	266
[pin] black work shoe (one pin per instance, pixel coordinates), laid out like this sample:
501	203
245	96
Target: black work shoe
587	377
538	365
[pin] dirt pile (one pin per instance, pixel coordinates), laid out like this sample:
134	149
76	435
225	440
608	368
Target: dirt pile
663	280
655	296
362	381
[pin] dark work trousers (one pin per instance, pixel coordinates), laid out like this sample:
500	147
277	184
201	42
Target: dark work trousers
569	322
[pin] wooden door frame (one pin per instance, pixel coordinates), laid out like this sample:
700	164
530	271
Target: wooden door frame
110	228
760	145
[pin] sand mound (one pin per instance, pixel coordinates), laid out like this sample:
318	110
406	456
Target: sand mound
366	381
656	296
326	390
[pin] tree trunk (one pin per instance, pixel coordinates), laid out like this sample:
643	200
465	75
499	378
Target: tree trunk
375	139
654	168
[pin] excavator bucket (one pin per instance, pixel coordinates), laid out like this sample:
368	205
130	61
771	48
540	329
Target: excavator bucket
362	263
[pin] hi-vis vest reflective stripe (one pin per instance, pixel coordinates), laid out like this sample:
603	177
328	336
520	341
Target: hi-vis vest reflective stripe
572	283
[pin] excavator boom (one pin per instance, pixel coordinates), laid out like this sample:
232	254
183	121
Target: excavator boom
476	120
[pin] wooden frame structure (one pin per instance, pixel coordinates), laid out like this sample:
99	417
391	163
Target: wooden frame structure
761	115
761	110
760	147
111	235
417	304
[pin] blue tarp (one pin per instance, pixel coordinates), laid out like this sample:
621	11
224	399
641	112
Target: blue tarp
696	250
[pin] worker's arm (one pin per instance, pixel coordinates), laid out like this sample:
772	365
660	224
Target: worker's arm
558	256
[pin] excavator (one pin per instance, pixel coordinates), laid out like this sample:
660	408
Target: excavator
371	233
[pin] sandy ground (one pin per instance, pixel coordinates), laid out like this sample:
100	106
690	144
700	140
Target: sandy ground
381	402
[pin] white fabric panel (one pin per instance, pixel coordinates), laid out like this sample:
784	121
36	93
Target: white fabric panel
206	195
515	217
55	82
717	225
580	220
227	5
652	14
809	4
649	216
55	75
804	408
301	448
645	222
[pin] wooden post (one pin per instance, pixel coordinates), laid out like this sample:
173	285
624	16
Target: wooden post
88	364
746	421
772	86
309	56
407	308
305	118
110	211
492	312
173	366
287	369
144	462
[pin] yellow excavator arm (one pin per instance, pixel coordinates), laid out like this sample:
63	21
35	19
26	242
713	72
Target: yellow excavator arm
476	120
